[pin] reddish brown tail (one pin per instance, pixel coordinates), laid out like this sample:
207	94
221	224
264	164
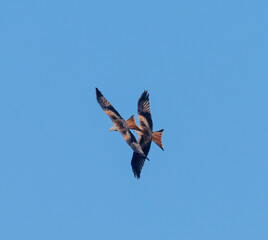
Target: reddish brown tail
157	138
132	124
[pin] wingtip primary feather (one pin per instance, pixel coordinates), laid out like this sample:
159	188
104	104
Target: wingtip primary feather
144	96
98	93
136	174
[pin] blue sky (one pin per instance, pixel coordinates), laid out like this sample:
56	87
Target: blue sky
63	175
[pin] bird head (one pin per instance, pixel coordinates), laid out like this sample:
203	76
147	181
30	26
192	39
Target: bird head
113	129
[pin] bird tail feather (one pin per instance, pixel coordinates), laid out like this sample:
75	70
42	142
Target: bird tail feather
131	123
157	138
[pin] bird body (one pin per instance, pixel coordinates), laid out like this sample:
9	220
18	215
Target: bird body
145	132
156	136
119	124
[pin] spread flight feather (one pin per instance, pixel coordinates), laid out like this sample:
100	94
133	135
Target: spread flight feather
119	124
145	132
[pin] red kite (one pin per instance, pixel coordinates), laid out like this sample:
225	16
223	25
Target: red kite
119	124
145	132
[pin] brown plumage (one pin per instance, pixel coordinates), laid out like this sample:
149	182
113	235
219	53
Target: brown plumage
156	136
145	132
119	124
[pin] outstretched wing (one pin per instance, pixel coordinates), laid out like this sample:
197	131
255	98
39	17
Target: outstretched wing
137	161
107	106
120	123
131	141
144	111
145	137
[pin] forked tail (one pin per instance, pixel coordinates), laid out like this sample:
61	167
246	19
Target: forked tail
157	138
132	124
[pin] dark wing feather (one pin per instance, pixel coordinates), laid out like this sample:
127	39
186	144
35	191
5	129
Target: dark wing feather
144	111
120	122
137	161
145	137
107	106
132	142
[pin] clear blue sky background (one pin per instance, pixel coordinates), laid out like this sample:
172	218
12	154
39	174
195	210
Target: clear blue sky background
63	175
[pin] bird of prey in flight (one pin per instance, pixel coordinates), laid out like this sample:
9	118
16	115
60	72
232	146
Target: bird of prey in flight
119	124
145	132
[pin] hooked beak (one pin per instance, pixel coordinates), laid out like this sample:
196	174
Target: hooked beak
112	129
